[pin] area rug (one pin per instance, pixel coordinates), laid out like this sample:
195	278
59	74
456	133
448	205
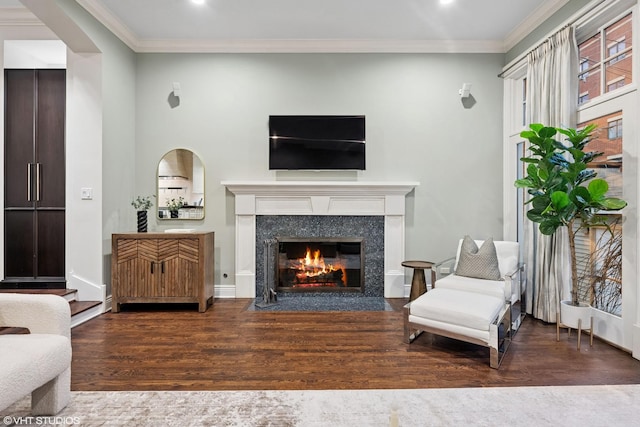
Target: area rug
508	406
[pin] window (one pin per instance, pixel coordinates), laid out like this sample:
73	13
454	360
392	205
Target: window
614	131
584	97
615	84
584	69
606	59
614	49
590	69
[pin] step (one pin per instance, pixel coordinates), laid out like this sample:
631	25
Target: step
81	311
78	307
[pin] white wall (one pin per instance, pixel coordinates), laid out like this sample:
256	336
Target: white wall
417	130
114	155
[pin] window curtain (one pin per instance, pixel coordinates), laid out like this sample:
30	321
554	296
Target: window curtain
552	89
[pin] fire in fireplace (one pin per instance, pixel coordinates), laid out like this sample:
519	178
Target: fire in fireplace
321	264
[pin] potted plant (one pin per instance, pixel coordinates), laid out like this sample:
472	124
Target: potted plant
174	206
142	205
564	191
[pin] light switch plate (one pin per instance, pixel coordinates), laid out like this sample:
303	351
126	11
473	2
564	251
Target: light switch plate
86	193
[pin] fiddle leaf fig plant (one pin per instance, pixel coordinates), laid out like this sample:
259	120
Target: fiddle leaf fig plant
563	191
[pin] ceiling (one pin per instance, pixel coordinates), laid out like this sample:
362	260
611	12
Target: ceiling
320	25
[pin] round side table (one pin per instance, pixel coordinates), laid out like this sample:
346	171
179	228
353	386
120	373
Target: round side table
418	282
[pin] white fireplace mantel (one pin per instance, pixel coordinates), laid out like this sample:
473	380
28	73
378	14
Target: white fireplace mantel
340	198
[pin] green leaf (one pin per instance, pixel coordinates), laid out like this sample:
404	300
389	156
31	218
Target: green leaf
528	134
580	196
560	200
524	183
549	227
547	132
536	127
540	203
613	204
598	188
534	216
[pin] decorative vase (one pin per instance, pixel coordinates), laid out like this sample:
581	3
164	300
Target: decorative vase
174	214
570	314
142	221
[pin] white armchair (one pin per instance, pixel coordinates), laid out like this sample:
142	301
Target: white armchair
511	286
39	362
477	300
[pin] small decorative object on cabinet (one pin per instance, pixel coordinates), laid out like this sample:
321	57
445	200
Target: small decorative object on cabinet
162	267
142	204
175	205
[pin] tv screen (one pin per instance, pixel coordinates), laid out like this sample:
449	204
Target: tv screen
316	142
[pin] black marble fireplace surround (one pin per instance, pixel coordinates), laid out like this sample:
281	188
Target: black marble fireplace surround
369	228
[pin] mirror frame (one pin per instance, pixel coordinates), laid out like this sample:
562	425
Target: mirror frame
161	199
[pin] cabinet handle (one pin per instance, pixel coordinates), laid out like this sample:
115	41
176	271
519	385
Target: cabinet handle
28	182
152	264
38	181
162	266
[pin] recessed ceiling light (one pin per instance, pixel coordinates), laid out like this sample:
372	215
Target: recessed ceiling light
446	1
198	1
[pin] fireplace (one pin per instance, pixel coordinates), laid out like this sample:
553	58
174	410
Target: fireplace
319	264
279	204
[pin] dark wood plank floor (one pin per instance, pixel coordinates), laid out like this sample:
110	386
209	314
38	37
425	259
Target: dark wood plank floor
228	348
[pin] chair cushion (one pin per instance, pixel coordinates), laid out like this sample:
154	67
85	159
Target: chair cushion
479	263
470	310
494	288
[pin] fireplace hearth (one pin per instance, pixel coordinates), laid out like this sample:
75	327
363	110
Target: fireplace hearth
319	264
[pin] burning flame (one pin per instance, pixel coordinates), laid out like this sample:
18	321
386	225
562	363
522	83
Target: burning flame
313	266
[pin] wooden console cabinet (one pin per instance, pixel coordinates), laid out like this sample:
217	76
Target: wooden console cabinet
162	267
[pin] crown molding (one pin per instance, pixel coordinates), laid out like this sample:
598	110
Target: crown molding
17	17
319	46
541	14
111	22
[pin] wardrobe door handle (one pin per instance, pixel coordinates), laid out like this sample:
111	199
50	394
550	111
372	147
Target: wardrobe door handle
28	182
38	181
162	266
152	264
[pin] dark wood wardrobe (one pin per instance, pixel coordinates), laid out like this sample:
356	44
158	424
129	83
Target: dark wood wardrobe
34	179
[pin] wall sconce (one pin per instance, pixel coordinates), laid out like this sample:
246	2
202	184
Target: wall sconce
176	89
465	91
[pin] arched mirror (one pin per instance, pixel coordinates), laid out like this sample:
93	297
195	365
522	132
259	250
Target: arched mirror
180	185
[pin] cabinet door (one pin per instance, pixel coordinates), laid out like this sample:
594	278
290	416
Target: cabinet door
19	144
149	269
125	274
50	164
189	269
168	253
18	243
50	257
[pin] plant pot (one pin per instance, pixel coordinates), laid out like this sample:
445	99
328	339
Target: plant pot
142	221
570	314
174	214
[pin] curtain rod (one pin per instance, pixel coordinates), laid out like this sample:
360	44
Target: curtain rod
576	17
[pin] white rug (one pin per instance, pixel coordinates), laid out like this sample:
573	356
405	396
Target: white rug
509	406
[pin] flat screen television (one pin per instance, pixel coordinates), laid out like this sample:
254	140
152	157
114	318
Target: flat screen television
316	143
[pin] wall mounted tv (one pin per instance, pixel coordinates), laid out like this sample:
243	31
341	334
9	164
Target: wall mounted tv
316	143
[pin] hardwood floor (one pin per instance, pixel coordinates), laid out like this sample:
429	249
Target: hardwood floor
227	348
